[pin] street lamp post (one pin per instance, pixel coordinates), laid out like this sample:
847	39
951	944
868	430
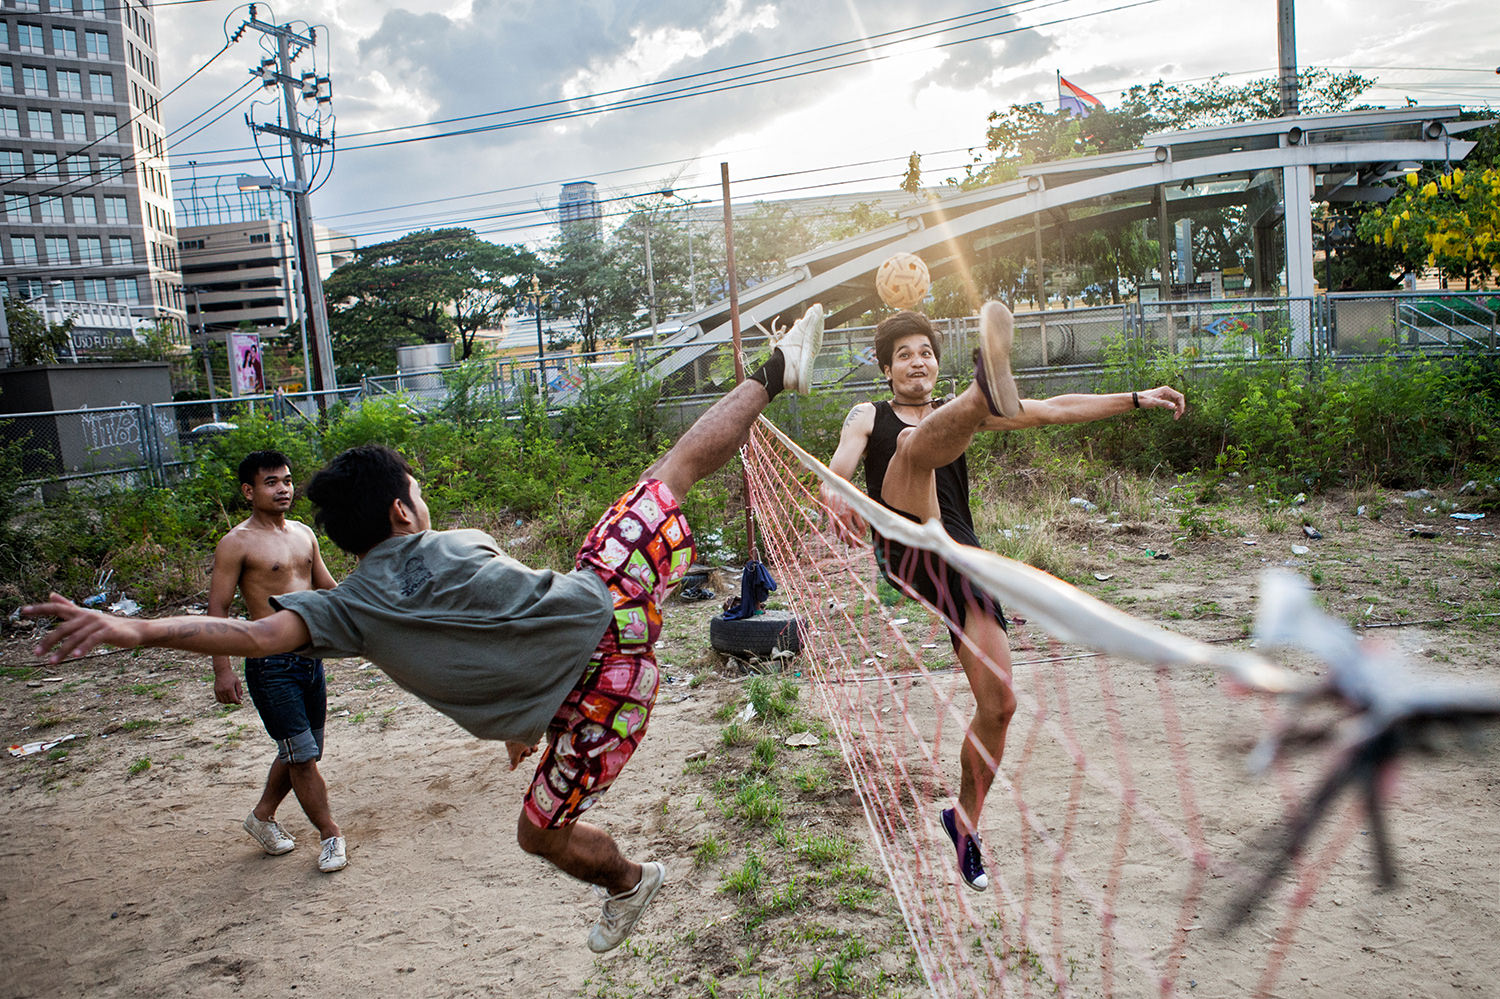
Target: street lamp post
541	350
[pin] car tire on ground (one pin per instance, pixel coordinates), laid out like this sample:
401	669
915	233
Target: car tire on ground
756	637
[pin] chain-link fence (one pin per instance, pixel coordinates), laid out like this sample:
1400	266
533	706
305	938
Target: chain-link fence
144	444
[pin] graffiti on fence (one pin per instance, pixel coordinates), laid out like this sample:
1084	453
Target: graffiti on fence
1226	325
111	429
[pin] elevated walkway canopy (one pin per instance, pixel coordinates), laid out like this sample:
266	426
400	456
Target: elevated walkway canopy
1274	168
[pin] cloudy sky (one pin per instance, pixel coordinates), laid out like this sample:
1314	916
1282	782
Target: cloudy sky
797	97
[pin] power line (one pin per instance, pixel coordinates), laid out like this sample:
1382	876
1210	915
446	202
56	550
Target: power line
720	86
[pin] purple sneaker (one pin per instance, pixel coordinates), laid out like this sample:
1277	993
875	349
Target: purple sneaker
969	864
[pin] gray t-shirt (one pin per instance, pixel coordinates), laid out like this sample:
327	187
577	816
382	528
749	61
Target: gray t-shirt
487	641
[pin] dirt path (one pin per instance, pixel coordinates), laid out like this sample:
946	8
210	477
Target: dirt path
128	879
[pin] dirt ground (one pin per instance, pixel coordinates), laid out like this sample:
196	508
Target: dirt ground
125	872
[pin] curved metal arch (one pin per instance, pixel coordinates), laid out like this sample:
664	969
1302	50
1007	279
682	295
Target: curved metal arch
943	232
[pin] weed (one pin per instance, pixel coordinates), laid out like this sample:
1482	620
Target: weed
747	879
138	725
709	850
736	734
757	802
822	850
140	766
764	754
811	778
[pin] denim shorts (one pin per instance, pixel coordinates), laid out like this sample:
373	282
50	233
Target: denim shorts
291	696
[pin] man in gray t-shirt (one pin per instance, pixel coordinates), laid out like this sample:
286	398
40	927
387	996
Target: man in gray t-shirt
508	652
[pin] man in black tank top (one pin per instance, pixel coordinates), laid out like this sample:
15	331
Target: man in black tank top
913	449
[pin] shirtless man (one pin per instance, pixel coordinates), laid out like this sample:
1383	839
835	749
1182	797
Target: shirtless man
914	460
508	652
267	556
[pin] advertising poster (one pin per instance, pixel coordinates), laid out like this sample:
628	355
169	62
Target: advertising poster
245	362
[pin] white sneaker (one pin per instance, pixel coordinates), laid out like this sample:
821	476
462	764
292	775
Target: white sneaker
333	858
272	838
992	367
621	911
799	349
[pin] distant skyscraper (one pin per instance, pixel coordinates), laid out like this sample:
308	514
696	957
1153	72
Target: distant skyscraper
578	209
87	212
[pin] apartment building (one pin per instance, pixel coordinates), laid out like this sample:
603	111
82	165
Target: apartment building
87	201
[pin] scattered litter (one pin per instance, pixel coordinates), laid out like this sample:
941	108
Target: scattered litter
125	607
1472	486
1422	531
929	645
748	713
15	616
1083	504
801	740
33	683
1429	509
1247	541
1300	549
1360	510
1300	499
869	662
1104	576
1369	610
882	655
895	622
1313	532
31	748
1467	516
701	754
1159	556
1418	494
195	611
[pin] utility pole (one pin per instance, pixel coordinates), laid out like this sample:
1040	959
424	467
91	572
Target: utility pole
309	86
1286	46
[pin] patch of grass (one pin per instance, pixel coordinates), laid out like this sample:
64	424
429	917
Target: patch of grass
19	672
822	850
140	766
764	754
757	802
138	725
811	778
736	734
711	848
747	879
772	698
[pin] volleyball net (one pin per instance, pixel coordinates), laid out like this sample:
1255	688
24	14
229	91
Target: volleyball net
1130	848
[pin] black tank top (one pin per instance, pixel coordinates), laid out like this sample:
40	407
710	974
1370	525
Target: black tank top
952	479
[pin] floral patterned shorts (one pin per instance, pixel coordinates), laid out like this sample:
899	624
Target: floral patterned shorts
639	548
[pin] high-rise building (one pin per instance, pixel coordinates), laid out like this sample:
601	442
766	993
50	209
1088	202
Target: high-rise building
87	214
578	209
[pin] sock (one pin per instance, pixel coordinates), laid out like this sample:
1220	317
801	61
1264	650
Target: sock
771	373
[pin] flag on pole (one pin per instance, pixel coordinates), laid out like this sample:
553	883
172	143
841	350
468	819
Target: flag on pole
1075	99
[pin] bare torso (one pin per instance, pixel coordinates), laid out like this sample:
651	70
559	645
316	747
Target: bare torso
272	561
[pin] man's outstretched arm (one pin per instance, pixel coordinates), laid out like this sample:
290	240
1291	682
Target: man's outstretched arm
1085	408
79	631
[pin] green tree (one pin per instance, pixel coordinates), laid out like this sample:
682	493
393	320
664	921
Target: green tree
33	340
594	286
425	287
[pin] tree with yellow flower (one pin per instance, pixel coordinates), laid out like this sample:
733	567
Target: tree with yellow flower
1449	219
